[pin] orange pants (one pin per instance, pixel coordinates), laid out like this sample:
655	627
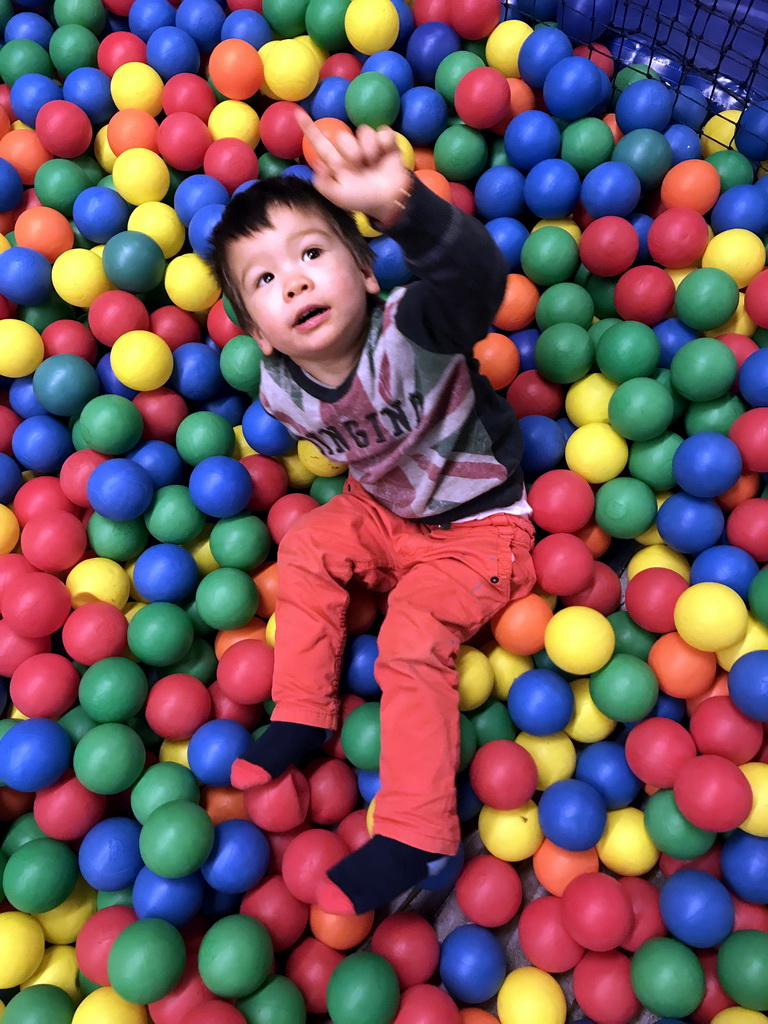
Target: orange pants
443	585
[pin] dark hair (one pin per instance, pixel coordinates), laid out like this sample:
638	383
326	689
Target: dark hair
248	213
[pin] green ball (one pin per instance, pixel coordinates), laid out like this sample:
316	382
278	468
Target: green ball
46	313
40	1004
133	261
24	57
146	960
277	1001
734	168
586	143
240	542
324	20
176	839
679	403
598	329
758	596
460	152
199	661
286	17
269	167
89	13
452	69
742	968
667	977
202	434
632	73
640	409
72	47
111	424
226	598
491	721
160	633
172	516
23	830
117	898
498	157
57	182
625	507
602	291
631	638
121	542
703	369
549	255
235	956
76	723
628	349
564	353
648	154
6	13
109	758
717	415
363	989
40	875
565	303
324	488
625	689
163	783
706	298
113	690
372	99
361	736
672	833
201	628
85	985
467	741
240	360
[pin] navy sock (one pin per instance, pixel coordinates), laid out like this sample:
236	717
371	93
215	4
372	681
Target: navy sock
381	869
283	744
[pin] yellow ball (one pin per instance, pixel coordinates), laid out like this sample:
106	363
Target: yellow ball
739	323
625	846
579	640
200	549
364	225
105	1005
596	452
141	360
659	556
299	477
133	606
161	222
587	400
739	1015
407	154
62	924
316	462
738	252
22	945
141	176
652	535
234	119
314	48
679	274
21	348
588	724
754	639
565	223
290	70
554	756
502	48
9	530
176	751
529	994
242	448
138	86
371	25
506	668
103	151
78	277
475	677
369	816
710	616
511	835
59	968
98	579
269	633
190	283
719	131
756	774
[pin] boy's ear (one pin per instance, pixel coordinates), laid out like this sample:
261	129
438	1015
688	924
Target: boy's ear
372	286
262	342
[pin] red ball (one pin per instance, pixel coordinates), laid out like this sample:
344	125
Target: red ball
433	10
279	843
287	511
63	128
15	649
12	566
94	631
175	326
41	494
503	774
114	313
718	727
270	481
747	528
162	411
214	1011
340	65
307	859
426	1004
712	793
749	432
647	921
609	246
715	998
280	808
463	197
741	346
354	829
36	604
45	686
220	327
76	472
563	563
597	912
678	237
190	94
644	293
544	939
749	915
709	862
333	791
54	541
8	423
562	501
232	162
177	706
598	54
69	337
310	966
603	593
182	140
245	671
409	942
118	48
651	596
96	937
756	299
223	707
67	810
280	132
603	987
332	746
282	914
482	97
530	394
472	19
488	890
656	750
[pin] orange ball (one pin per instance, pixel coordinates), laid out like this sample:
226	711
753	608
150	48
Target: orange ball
339	931
46	230
131	129
694	184
745	487
265	579
474	1015
332	128
596	539
361	610
519	628
256	629
718	689
682	670
555	867
518	307
435	182
236	69
521	96
23	148
5	122
499	359
223	803
616	132
424	158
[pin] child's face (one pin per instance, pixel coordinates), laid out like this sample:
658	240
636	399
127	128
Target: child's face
303	289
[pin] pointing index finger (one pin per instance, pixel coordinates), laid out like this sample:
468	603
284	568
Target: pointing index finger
324	148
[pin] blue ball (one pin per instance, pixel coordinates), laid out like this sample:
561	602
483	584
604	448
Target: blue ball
21	395
530	137
742	206
572	814
201	227
669	707
161	460
219	904
552	189
584	21
407	25
203	20
509	235
537	10
576	87
195	192
328	100
427	46
468	803
120	489
165	572
264	433
239	857
172	51
473	964
213	749
672	335
389	263
359	661
28	25
753	378
368	783
443	872
610	189
744	863
540	702
690	524
11	187
175	900
63	384
196	374
696	908
99	213
690	107
25	275
706	464
30	92
748	684
540	52
109	856
752	131
220	486
229	406
393	66
604	766
110	385
147	15
88	88
423	115
684	142
42	443
566	426
10	478
645	104
641	222
34	753
248	25
726	564
525	342
543	445
499	193
299	171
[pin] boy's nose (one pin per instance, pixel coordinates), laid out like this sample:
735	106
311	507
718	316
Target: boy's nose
296	286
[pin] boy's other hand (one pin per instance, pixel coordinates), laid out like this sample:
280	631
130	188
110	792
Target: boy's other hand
361	171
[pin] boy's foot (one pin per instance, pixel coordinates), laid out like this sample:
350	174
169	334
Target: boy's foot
279	746
373	875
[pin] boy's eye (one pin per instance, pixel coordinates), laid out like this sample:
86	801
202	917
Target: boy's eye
264	278
312	252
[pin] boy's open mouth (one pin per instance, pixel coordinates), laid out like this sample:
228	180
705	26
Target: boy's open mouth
309	314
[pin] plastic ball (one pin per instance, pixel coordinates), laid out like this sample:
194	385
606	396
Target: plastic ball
543	938
109	859
34	754
146	960
667	978
540	702
362	989
576	87
710	616
596	912
472	963
579	640
696	908
503	774
23	945
712	793
610	189
528	993
510	835
572	814
488	891
109	758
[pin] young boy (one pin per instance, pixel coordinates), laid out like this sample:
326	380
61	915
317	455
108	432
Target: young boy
433	512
